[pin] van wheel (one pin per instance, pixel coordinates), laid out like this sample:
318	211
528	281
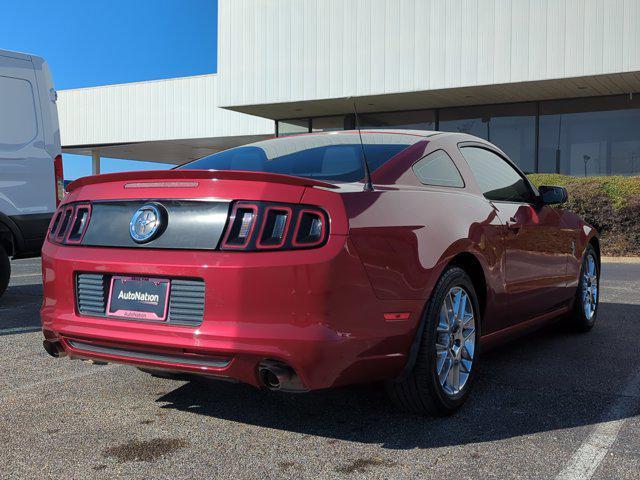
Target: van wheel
5	270
440	380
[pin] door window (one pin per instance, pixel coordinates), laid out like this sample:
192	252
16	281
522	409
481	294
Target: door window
498	180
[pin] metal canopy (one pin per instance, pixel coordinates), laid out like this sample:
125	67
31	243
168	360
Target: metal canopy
588	86
175	152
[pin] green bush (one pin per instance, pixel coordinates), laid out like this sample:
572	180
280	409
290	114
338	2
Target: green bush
610	204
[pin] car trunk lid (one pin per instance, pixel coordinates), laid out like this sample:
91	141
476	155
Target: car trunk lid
194	205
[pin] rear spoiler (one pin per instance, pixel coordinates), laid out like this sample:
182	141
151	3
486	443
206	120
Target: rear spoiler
172	175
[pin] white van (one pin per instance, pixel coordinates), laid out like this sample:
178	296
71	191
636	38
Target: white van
31	181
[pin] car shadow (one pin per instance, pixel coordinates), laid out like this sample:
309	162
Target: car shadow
20	308
552	379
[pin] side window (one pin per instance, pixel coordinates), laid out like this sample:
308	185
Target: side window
18	124
497	179
437	168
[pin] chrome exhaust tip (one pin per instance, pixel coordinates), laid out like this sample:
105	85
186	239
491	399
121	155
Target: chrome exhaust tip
270	379
276	375
54	349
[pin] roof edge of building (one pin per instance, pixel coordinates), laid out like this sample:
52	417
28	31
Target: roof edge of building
139	82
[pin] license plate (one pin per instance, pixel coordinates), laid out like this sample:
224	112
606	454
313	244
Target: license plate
138	298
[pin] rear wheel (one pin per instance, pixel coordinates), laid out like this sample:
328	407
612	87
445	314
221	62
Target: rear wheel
585	308
440	380
5	270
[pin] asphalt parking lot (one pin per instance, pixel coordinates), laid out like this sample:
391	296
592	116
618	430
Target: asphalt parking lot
553	405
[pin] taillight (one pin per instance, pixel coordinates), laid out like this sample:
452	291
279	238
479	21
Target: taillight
70	223
310	229
79	223
64	224
55	223
274	226
58	179
241	226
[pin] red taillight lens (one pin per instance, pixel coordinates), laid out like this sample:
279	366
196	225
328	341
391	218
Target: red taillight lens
275	232
310	229
55	223
58	174
70	223
241	226
79	223
275	227
64	224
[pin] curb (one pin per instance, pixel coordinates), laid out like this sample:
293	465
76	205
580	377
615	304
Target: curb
627	260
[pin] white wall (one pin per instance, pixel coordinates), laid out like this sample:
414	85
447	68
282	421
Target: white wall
179	108
273	51
289	50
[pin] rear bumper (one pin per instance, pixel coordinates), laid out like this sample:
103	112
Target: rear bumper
313	310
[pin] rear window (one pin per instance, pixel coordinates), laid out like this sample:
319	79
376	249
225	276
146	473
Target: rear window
332	157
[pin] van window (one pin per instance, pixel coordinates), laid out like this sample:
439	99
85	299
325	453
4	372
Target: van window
18	124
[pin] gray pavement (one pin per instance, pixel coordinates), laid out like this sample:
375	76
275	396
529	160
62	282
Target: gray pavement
541	407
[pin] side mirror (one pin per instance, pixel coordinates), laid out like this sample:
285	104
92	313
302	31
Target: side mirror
552	195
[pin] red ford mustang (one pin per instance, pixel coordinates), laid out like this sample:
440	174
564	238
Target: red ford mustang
288	264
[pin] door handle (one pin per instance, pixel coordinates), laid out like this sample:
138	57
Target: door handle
513	225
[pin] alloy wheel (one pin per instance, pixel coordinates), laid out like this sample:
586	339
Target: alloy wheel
589	286
455	341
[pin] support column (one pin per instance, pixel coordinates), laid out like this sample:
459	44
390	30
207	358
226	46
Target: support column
95	162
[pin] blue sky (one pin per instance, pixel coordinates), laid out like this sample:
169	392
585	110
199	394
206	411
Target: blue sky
89	43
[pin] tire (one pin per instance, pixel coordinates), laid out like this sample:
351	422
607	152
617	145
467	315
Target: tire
5	270
585	306
420	389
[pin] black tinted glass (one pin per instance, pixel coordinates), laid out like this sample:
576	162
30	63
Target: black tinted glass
413	120
335	157
497	179
590	136
437	168
511	127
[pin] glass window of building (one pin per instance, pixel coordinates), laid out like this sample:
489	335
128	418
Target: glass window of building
329	124
590	136
293	127
512	127
437	168
413	120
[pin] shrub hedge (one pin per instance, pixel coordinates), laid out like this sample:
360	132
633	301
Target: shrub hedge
610	204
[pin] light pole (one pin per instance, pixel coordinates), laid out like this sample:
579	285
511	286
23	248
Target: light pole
586	159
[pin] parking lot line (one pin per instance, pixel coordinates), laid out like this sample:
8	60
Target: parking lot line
588	457
7	331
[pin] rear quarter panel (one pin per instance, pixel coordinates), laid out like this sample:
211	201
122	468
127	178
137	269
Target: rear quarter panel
582	234
407	236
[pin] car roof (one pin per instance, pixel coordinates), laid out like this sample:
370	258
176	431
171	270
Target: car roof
377	131
456	137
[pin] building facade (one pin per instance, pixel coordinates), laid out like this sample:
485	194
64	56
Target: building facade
554	83
578	136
